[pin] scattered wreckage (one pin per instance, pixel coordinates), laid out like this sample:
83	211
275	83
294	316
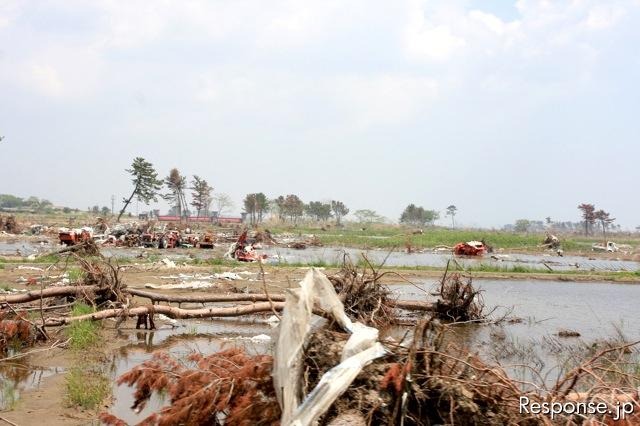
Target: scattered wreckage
244	251
471	248
610	247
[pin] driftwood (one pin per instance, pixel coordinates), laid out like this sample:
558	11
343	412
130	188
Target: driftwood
212	298
413	305
50	292
158	297
171	312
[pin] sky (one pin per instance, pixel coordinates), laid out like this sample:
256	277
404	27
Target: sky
506	109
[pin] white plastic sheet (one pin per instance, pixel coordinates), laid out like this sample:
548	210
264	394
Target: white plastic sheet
361	348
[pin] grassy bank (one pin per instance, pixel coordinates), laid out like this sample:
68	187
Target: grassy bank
87	385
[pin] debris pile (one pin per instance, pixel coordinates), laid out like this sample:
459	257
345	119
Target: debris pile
15	333
244	251
471	248
610	247
458	300
364	297
71	237
9	225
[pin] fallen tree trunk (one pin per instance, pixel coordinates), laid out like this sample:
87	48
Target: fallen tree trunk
171	312
179	298
158	297
49	292
414	305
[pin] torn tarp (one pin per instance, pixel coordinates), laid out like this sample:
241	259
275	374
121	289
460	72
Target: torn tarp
361	348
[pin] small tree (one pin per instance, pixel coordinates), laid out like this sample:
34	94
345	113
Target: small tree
318	210
339	211
249	204
451	211
223	203
522	225
145	183
262	206
367	216
105	211
201	195
278	205
418	216
255	205
293	207
176	184
588	215
605	220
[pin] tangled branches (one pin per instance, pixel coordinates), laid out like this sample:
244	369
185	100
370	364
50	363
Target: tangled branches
458	299
228	385
104	274
16	333
9	225
364	297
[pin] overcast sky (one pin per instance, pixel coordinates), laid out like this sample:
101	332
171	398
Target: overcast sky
506	109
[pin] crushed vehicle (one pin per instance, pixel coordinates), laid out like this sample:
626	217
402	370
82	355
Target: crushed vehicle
470	248
207	241
551	241
71	237
244	251
610	247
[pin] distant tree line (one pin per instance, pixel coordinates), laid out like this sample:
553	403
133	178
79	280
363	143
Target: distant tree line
291	208
8	201
418	216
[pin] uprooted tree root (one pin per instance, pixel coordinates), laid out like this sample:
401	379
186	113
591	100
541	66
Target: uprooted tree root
458	300
16	333
9	225
105	275
229	384
434	382
364	297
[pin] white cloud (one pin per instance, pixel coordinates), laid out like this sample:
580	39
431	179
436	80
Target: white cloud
383	100
46	79
603	16
433	42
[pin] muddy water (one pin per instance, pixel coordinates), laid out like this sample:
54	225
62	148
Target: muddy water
332	255
595	309
24	248
598	311
335	255
20	376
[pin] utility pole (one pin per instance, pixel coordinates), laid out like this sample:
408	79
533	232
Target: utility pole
113	201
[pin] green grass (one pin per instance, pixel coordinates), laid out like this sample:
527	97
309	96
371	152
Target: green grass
389	236
47	258
83	334
87	388
8	395
75	274
5	287
318	263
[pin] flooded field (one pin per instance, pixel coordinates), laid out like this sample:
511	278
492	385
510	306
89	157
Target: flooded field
331	255
335	256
